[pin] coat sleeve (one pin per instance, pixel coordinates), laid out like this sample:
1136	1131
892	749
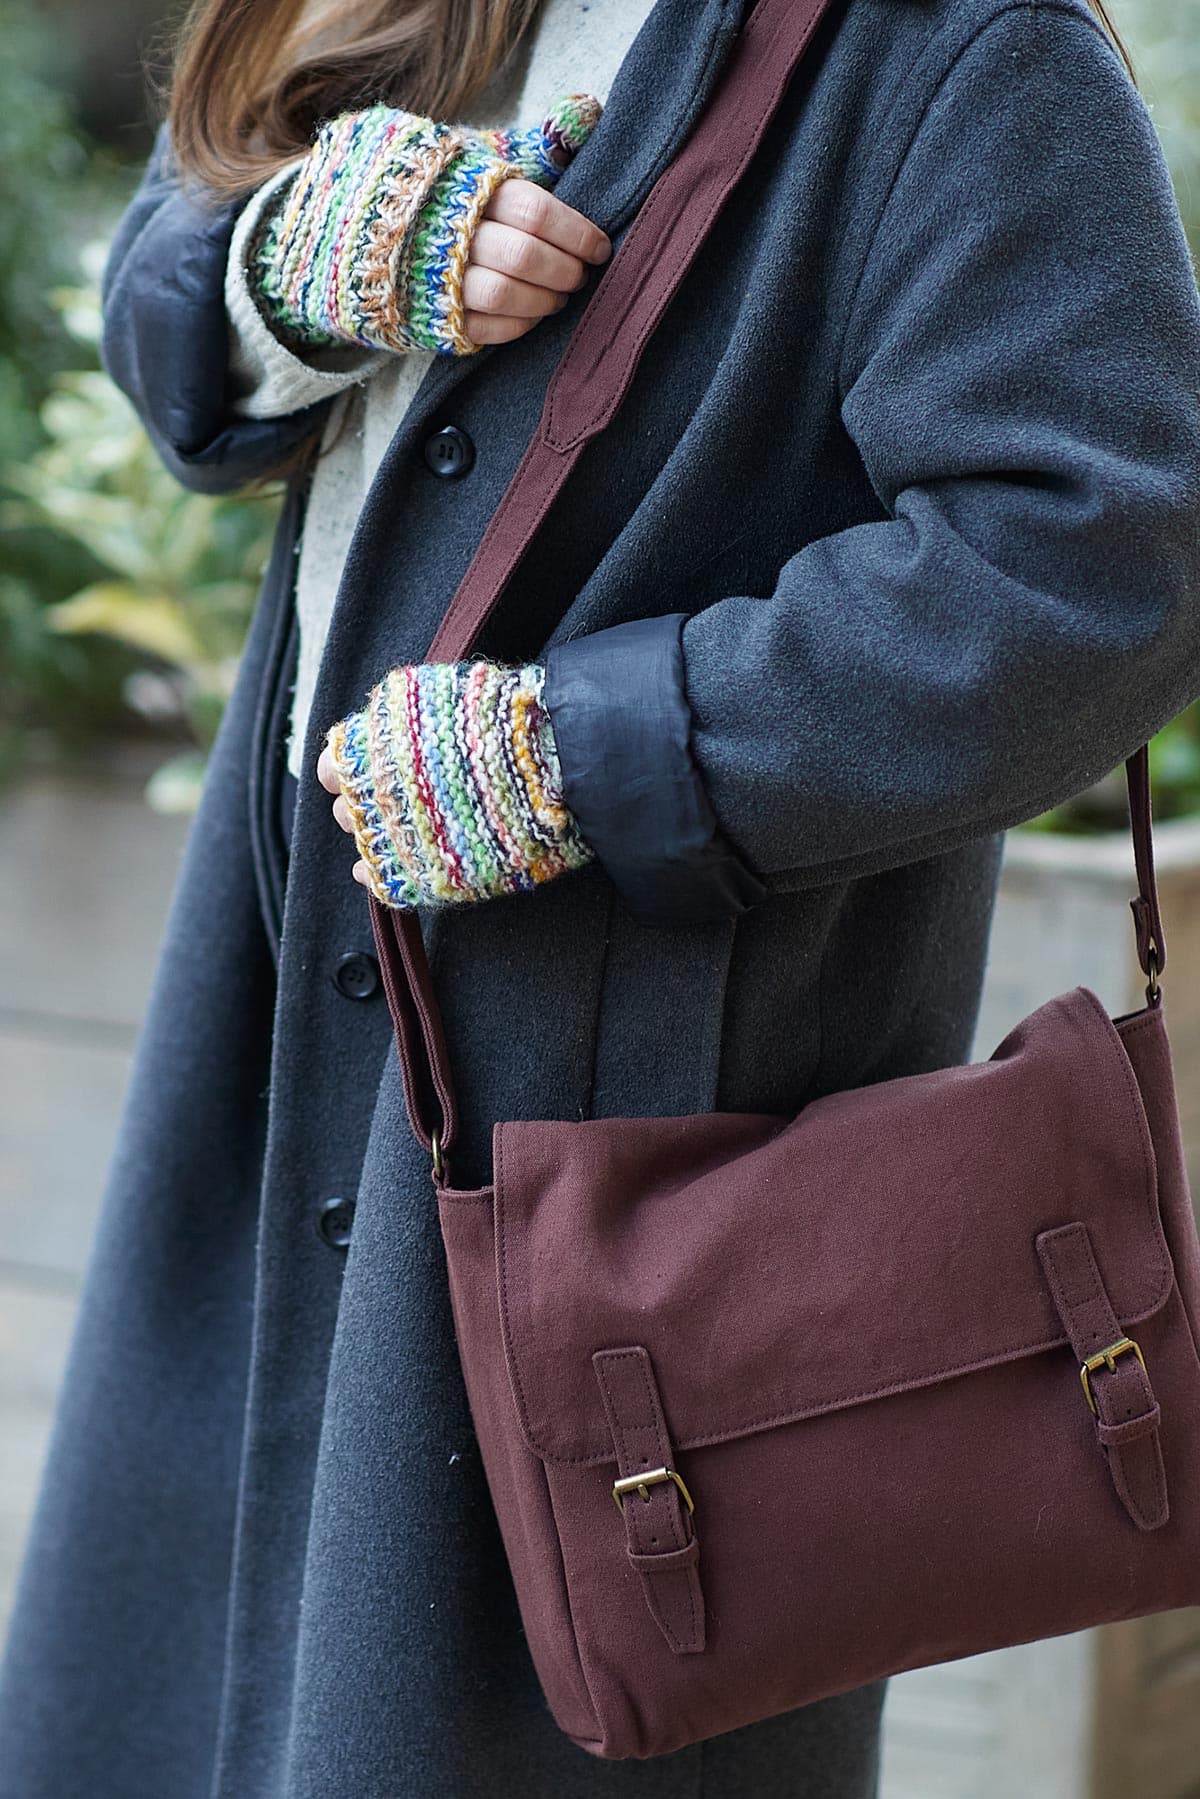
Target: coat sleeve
1021	376
165	338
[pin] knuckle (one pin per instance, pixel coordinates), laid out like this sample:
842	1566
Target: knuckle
490	288
531	205
520	253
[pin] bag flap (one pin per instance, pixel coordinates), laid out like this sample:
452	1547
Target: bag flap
775	1268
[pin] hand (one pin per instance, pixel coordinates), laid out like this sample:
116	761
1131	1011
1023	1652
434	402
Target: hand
328	776
528	254
450	782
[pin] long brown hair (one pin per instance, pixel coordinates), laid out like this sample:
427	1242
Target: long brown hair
253	78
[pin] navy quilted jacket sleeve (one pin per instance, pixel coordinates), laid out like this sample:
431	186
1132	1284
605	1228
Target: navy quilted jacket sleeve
1021	377
165	337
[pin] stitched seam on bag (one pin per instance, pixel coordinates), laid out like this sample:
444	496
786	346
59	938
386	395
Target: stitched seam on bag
1076	1243
1139	1023
1116	1458
1144	1021
1137	1104
597	1456
657	1430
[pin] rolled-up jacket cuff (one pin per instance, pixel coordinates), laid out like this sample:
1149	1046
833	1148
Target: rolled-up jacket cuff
622	726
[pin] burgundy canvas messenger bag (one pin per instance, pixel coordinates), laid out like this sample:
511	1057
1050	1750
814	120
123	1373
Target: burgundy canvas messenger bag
771	1407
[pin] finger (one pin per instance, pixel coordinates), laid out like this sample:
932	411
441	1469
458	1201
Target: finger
488	291
327	773
505	250
542	214
493	328
341	812
359	871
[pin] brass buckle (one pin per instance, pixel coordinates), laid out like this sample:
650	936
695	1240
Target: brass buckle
1106	1358
637	1483
439	1166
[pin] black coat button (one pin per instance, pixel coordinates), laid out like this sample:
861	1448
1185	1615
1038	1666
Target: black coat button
356	975
449	451
335	1221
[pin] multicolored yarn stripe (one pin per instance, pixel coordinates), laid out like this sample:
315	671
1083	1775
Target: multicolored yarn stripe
542	152
370	242
452	779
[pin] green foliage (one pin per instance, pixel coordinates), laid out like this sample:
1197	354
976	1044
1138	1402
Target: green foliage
46	164
1163	37
1174	777
122	598
52	692
175	574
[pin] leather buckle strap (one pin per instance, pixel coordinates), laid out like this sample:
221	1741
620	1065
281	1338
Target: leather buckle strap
420	1033
1114	1374
651	1497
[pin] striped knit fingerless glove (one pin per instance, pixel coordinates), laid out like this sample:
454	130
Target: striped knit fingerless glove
368	245
452	778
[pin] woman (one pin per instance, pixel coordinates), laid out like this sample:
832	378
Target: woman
893	544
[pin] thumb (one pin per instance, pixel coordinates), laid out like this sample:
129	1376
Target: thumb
542	152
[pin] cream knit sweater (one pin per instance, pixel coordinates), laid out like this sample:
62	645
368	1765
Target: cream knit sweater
573	47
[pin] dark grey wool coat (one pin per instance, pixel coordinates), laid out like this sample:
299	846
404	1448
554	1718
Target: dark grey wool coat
909	486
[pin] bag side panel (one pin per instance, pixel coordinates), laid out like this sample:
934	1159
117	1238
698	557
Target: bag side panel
516	1478
1144	1036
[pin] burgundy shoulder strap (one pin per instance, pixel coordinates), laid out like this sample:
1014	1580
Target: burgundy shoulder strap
583	396
1151	945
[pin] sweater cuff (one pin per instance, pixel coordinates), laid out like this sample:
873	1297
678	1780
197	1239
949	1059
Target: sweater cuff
617	700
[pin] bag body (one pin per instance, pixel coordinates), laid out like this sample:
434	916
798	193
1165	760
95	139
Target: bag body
856	1336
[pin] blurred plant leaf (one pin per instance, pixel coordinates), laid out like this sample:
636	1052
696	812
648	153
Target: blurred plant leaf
147	621
176	786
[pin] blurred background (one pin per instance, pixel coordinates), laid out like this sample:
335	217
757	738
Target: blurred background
123	602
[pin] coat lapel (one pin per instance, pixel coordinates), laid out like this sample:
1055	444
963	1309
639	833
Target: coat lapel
657	94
